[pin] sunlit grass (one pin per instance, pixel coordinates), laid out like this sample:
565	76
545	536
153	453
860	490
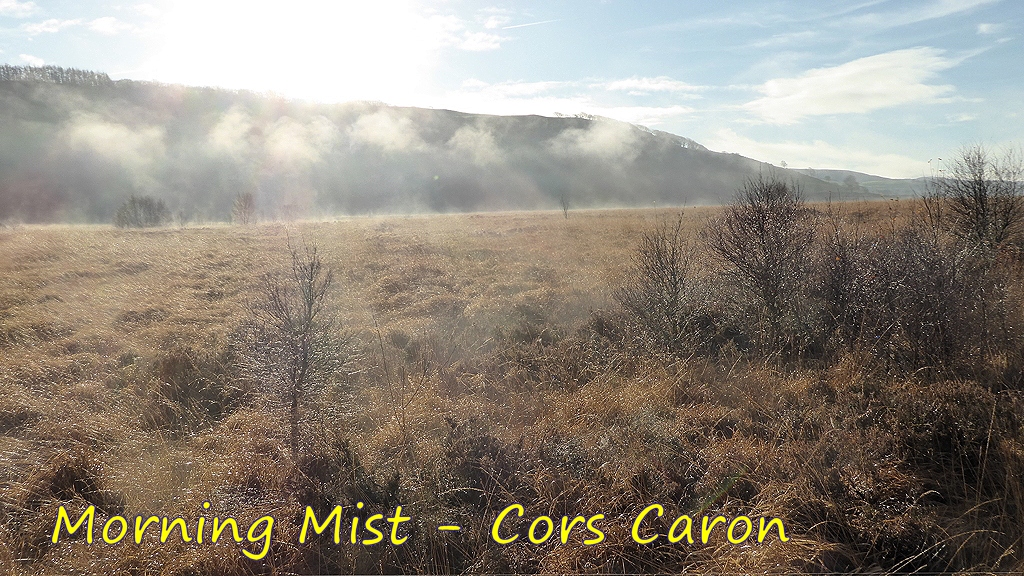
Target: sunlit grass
497	390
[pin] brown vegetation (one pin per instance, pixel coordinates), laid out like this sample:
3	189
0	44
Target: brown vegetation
873	402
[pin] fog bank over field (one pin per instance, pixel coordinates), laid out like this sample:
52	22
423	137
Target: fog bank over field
73	147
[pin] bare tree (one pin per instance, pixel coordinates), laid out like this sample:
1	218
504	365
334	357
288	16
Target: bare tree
565	204
661	292
142	212
243	210
293	348
982	194
764	240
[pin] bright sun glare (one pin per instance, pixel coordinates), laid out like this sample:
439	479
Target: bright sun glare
329	51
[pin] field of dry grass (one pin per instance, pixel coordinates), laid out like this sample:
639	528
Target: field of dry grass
488	365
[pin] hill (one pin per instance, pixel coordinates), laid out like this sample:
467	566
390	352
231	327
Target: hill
74	145
884	187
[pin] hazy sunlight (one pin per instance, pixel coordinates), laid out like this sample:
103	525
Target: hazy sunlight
306	49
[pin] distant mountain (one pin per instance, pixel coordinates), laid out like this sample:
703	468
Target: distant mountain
75	144
876	185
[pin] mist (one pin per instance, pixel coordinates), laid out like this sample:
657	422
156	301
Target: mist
74	147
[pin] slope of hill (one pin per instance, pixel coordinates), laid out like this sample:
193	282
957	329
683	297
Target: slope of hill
884	187
74	145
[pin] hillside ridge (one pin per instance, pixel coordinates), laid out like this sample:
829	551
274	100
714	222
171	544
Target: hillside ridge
75	145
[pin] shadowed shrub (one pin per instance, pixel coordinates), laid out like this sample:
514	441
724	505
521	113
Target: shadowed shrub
668	304
913	301
72	476
764	242
142	212
199	388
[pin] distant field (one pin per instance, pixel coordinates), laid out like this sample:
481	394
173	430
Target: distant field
488	364
142	290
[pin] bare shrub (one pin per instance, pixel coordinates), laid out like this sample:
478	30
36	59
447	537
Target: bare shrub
919	301
243	209
842	282
292	347
914	301
662	295
978	196
142	212
764	241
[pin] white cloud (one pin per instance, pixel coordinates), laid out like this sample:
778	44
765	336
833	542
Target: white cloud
529	24
962	117
513	89
480	41
913	13
643	115
148	10
109	26
16	9
787	38
50	26
474	83
819	154
496	21
989	28
733	21
31	60
453	32
863	85
640	86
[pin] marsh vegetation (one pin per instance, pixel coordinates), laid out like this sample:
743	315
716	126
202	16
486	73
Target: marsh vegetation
848	369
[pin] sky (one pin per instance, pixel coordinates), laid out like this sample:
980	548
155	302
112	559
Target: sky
886	87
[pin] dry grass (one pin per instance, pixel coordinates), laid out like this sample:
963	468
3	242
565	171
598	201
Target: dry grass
507	380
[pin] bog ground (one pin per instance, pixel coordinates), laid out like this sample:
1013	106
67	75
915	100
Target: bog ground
492	359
